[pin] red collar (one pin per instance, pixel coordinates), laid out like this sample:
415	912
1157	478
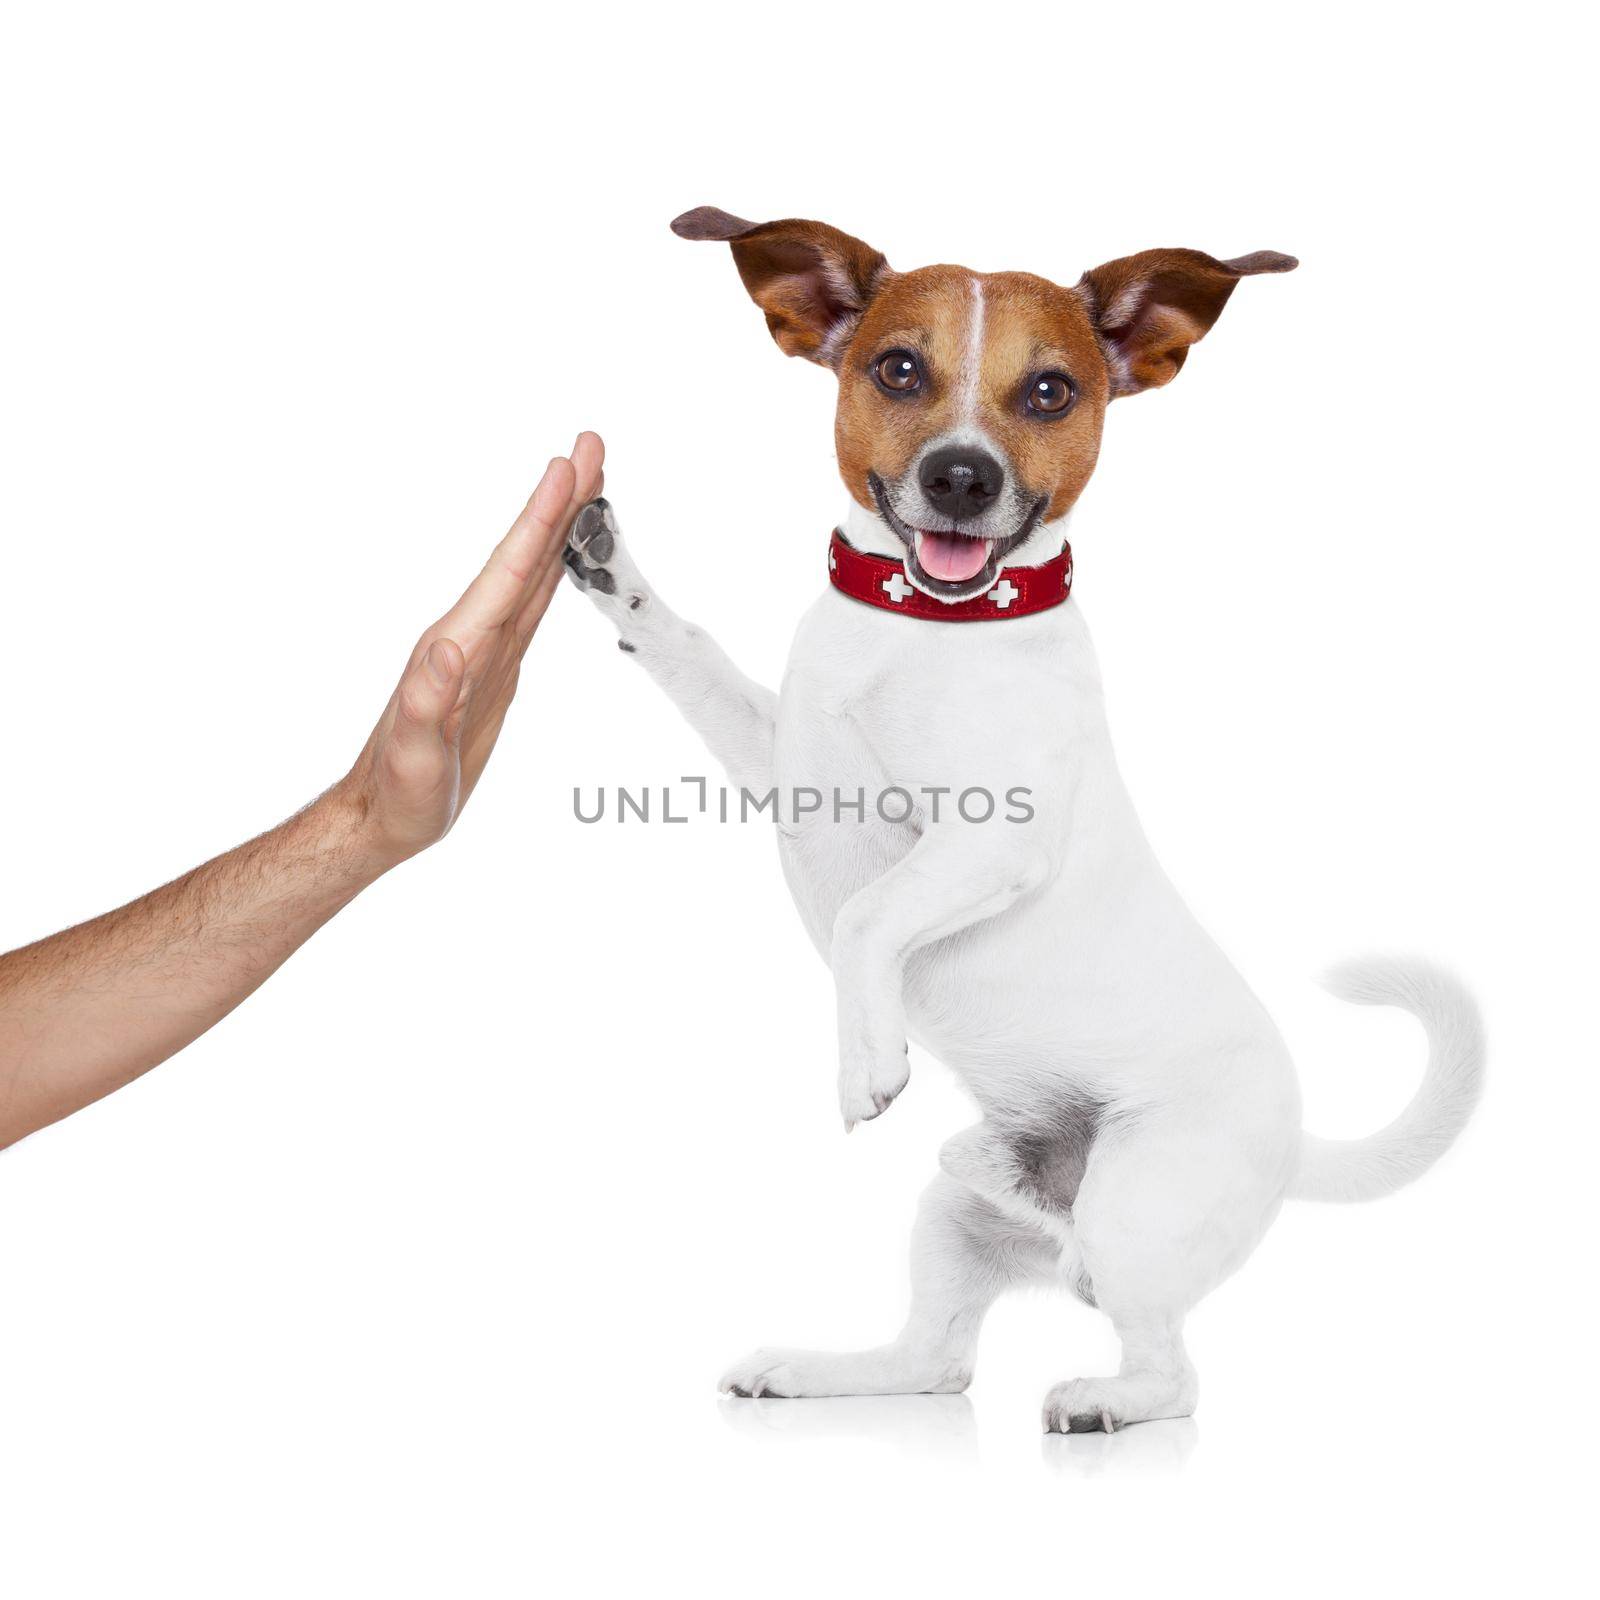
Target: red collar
881	581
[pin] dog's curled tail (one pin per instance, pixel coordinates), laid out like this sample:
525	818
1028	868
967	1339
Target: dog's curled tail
1366	1169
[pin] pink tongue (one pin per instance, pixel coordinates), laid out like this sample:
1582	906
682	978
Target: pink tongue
951	557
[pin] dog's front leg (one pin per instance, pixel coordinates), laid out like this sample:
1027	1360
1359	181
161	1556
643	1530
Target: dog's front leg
733	714
956	874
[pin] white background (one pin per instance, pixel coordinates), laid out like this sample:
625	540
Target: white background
415	1276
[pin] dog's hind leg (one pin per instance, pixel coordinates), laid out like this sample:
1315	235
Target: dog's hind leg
1169	1206
730	712
1031	1177
964	1253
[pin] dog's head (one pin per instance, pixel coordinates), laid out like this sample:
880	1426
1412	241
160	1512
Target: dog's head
970	404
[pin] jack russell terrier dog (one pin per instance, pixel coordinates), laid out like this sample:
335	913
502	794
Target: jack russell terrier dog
1141	1117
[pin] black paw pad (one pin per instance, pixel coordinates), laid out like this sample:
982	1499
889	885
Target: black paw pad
588	577
1087	1422
594	531
591	543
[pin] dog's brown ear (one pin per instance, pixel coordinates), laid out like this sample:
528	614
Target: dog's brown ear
812	281
1149	308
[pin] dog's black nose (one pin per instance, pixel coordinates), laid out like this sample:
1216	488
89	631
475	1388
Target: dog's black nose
961	481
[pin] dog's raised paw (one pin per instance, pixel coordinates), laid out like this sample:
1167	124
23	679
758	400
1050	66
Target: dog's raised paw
862	1098
598	562
591	543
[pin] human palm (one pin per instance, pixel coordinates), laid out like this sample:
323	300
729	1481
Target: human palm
435	736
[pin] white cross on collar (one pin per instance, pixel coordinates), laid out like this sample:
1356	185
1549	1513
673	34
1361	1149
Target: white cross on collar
1004	593
896	587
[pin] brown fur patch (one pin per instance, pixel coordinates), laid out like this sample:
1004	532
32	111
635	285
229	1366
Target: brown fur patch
811	281
1151	307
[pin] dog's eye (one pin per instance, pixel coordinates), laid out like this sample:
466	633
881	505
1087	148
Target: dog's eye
1050	394
898	372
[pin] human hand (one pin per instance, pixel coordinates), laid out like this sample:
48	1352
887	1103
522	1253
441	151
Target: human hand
436	734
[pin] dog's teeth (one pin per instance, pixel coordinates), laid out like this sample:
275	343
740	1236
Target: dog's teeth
1107	1423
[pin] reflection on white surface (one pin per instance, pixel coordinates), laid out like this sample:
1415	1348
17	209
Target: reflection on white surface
1147	1449
918	1424
944	1426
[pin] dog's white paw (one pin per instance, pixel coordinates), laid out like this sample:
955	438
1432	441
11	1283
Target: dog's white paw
1102	1405
873	1064
599	563
766	1373
869	1082
1082	1405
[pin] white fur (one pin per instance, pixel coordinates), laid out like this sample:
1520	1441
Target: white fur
1051	965
972	358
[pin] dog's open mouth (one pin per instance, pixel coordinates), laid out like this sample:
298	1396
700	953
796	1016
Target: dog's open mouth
952	557
945	563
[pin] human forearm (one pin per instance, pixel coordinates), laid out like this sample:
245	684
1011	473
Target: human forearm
87	1010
